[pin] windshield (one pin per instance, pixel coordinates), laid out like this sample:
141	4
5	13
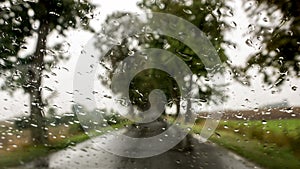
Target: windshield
150	84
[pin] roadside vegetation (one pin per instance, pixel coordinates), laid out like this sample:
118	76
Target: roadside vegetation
272	144
64	131
27	153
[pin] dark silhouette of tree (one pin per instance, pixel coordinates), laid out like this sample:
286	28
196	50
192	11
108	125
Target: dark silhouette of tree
279	55
22	20
207	16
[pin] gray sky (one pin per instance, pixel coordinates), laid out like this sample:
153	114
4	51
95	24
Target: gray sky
239	96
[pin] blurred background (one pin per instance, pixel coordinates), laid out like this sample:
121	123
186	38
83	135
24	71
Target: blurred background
257	41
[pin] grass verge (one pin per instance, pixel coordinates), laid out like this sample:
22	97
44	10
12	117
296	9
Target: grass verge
26	154
271	144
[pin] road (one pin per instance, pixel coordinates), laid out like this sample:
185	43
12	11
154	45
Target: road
88	155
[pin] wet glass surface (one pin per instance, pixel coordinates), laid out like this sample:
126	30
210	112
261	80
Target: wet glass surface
150	84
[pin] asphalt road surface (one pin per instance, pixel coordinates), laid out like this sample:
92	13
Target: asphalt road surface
88	155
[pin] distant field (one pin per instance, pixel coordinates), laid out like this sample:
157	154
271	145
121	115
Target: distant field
259	114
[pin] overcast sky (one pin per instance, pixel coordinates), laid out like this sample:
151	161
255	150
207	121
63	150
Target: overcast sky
239	96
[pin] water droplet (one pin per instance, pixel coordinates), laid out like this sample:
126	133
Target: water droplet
229	13
53	13
251	27
107	96
290	33
131	53
233	24
218	135
239	116
187	11
161	5
264	122
116	23
33	125
249	42
48	88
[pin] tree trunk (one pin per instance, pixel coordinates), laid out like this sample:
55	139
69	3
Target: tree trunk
189	115
38	132
38	128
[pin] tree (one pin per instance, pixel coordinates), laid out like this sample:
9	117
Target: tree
208	20
279	54
22	20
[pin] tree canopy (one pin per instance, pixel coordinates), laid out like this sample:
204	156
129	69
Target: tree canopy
279	55
21	21
209	20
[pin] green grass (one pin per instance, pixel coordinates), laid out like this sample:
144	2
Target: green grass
267	156
21	156
288	126
273	145
27	154
283	133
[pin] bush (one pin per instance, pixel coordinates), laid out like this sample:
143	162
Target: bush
75	129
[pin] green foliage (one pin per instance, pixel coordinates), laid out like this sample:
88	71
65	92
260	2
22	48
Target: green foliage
266	156
274	144
206	15
282	133
21	20
140	87
279	56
